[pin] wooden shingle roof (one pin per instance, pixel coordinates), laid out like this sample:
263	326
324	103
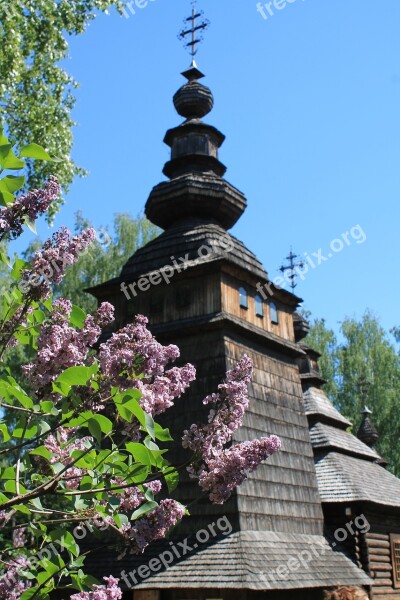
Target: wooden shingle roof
318	405
248	560
326	436
189	240
348	479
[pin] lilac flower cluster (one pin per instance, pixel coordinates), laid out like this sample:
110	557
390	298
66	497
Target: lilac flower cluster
49	263
224	473
11	586
110	591
19	537
29	206
62	450
153	526
219	470
61	346
131	498
226	414
132	357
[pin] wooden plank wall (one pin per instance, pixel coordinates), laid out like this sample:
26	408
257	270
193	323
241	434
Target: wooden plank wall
378	550
282	494
371	550
230	304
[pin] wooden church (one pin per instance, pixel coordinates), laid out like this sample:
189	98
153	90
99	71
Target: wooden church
323	512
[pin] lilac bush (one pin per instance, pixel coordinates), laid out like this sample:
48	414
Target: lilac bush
80	442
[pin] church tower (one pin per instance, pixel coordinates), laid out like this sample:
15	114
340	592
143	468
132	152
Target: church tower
204	291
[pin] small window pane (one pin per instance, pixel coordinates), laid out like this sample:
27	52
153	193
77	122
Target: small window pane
274	313
244	300
259	306
395	539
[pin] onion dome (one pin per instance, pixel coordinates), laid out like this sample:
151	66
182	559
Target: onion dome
196	188
367	432
193	100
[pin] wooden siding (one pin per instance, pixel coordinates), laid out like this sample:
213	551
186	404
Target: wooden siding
372	550
282	494
230	304
204	299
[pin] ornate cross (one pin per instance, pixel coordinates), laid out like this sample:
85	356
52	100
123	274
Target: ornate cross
194	29
291	267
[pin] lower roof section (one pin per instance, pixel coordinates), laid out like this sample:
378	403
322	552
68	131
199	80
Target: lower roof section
344	478
247	560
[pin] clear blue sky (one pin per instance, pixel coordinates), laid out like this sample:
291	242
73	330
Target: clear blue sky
309	100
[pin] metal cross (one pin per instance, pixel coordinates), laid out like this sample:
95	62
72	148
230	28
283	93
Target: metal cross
193	29
292	266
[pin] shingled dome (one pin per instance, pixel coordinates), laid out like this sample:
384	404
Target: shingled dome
193	100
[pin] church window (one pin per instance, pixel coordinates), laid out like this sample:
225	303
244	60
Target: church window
259	306
395	539
243	298
274	313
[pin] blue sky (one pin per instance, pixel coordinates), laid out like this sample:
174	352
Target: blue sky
309	100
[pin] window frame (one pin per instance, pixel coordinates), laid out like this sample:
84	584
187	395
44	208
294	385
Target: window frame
395	545
258	301
273	310
243	292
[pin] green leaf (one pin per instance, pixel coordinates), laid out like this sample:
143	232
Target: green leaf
8	160
43	452
4	432
6	198
37	152
28	433
5	259
140	453
172	480
78	317
66	539
144	510
163	435
31	225
73	376
12	183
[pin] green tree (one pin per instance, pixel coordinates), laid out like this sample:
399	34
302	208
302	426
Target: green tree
364	369
36	93
325	342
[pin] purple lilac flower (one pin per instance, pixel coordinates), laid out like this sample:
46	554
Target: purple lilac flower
134	351
11	586
226	415
131	498
31	206
19	537
49	264
62	450
153	526
110	591
224	473
218	470
132	357
61	346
